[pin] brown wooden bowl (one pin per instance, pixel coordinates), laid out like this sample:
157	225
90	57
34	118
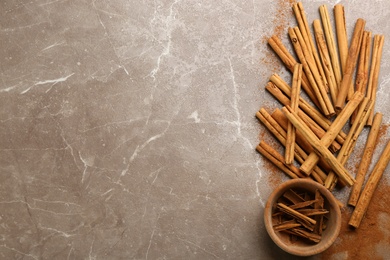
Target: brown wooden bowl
300	247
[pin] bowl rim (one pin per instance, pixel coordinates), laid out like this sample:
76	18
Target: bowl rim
310	250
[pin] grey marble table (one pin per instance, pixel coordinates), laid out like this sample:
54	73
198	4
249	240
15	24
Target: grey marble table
128	128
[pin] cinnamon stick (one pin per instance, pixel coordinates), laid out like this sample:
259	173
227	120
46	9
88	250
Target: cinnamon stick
320	80
289	61
370	187
304	28
318	147
299	49
325	58
362	72
332	132
341	31
364	61
366	159
295	213
295	92
375	75
350	65
334	57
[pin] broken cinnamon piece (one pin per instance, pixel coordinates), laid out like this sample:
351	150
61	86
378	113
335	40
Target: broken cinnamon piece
293	197
318	206
303	204
286	225
307	222
313	212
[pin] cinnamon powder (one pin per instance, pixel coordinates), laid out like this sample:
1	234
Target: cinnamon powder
282	15
373	234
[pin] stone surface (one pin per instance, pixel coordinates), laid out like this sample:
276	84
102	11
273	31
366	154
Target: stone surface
128	128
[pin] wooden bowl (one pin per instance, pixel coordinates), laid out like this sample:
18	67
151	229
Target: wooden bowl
300	247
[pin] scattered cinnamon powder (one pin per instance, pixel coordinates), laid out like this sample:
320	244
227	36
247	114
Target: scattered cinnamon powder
274	174
283	12
282	15
372	237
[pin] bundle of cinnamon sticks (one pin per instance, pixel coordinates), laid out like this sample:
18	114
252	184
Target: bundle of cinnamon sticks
340	82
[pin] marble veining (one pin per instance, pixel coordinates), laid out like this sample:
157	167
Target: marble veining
128	128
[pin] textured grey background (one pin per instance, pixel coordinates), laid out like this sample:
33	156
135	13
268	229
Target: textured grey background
128	128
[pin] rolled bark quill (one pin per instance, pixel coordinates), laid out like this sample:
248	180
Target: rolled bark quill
302	54
366	159
295	92
325	58
332	132
320	79
304	28
363	66
331	44
374	83
318	147
350	65
370	187
281	134
289	61
341	31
